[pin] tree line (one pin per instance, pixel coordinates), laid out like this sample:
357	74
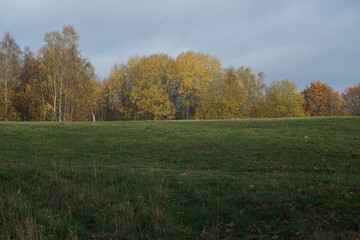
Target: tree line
58	84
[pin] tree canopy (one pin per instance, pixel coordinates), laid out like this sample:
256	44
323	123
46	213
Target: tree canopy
351	98
57	83
322	100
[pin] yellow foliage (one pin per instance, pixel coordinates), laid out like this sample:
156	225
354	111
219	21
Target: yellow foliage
194	72
153	103
71	89
140	90
59	85
9	70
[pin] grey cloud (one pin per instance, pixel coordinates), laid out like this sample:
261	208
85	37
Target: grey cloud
302	40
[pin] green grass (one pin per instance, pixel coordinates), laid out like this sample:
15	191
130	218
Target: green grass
230	179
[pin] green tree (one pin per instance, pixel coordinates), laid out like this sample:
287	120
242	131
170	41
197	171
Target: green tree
254	86
282	100
225	98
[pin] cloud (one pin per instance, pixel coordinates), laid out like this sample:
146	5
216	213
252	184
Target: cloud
271	56
301	40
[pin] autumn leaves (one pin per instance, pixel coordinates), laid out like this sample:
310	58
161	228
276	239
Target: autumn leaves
194	86
58	84
159	87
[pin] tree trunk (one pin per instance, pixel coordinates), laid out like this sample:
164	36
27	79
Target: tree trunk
93	117
43	103
55	102
60	105
5	99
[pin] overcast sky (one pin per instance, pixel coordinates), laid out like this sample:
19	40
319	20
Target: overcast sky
299	40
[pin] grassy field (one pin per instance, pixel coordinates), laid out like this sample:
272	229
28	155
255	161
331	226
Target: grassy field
231	179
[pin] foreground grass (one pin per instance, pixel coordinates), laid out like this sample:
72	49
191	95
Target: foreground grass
240	179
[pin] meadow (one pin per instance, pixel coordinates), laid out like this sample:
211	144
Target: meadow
293	178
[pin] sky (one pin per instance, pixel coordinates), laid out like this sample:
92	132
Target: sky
298	40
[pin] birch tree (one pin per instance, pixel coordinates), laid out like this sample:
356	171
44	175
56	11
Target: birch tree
10	55
351	98
69	75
